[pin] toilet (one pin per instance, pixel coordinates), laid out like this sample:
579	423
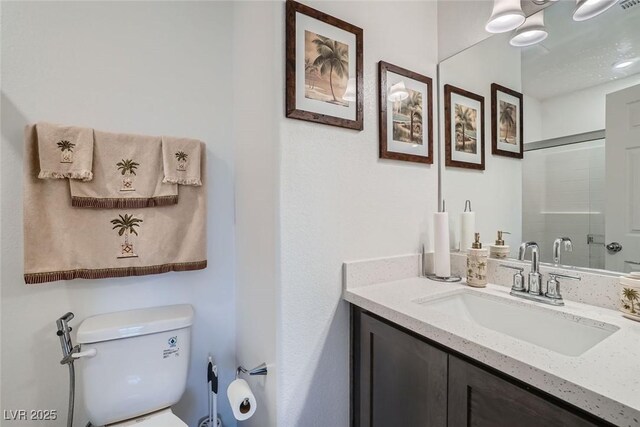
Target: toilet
133	365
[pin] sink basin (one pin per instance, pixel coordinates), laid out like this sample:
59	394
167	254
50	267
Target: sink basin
554	330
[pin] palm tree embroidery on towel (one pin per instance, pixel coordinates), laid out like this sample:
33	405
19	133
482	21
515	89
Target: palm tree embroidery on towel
126	226
128	169
66	151
181	156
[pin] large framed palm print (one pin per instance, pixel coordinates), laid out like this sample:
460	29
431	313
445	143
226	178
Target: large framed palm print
324	68
506	122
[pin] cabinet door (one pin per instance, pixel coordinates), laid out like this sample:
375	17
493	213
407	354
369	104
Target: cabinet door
402	380
480	399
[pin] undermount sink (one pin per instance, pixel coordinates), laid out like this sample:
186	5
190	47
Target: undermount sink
554	330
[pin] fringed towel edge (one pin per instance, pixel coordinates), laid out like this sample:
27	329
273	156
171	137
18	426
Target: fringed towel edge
182	181
103	273
79	175
119	203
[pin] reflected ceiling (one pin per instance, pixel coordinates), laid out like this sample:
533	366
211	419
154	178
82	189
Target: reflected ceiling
577	55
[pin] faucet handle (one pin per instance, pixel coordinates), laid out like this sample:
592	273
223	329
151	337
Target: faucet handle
513	267
518	278
565	276
553	285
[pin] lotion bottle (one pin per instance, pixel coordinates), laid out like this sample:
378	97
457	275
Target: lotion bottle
500	250
477	258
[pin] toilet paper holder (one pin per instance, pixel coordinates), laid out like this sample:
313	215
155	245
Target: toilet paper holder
261	369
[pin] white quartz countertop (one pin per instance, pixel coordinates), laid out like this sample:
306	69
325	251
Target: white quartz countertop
605	380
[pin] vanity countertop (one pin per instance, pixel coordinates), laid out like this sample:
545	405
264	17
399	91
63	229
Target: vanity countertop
605	380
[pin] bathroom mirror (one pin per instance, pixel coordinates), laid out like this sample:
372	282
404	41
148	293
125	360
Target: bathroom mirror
579	175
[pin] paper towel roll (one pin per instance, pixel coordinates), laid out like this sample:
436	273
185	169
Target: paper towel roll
242	400
467	230
442	257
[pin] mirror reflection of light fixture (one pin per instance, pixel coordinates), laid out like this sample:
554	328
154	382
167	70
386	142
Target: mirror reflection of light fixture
398	92
624	63
587	9
507	15
350	92
531	32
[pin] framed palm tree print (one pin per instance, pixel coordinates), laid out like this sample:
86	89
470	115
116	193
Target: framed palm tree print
406	110
324	68
506	122
463	128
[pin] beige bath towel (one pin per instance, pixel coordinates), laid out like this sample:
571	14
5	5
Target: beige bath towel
65	151
181	160
127	173
62	242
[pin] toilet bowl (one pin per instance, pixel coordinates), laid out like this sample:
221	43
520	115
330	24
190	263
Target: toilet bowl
162	418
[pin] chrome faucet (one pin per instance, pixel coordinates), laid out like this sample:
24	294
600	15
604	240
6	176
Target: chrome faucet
534	290
568	246
535	278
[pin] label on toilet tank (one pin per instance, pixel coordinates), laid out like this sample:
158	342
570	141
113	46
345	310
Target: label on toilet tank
173	350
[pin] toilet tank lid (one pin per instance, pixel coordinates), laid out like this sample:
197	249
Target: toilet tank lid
131	323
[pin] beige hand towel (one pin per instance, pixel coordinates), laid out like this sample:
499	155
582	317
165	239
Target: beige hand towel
181	160
127	173
65	151
63	243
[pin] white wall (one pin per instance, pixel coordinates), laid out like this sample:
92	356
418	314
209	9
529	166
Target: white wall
496	192
258	109
579	111
461	25
148	67
338	202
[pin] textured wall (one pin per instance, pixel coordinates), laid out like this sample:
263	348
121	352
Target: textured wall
148	67
496	192
339	202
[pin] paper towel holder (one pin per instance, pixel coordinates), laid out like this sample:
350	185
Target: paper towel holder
261	369
431	276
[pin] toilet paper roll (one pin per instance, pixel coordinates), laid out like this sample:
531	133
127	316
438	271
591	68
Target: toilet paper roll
242	400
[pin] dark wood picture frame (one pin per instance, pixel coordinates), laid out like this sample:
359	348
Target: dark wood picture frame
383	68
292	111
448	90
495	88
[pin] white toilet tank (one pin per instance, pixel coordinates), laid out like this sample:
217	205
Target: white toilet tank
141	361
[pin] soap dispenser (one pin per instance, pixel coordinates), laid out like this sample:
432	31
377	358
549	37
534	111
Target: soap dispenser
477	258
499	250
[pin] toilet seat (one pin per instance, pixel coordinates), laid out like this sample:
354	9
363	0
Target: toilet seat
162	418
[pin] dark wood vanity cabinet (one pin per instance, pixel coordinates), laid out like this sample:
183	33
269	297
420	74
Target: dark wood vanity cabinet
402	380
395	369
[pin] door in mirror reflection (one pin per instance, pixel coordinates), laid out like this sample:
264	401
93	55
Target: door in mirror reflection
623	179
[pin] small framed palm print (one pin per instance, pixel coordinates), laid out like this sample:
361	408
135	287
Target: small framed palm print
506	122
463	128
324	68
406	111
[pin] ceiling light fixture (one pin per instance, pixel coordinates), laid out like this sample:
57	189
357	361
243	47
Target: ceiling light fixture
587	9
398	92
507	15
531	32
